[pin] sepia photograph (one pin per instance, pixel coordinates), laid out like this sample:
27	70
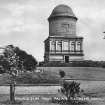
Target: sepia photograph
52	52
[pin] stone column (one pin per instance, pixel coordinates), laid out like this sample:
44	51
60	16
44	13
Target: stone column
75	46
55	46
81	46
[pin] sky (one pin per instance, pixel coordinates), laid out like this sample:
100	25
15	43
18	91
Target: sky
23	23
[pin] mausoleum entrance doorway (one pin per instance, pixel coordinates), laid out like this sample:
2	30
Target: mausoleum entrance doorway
66	59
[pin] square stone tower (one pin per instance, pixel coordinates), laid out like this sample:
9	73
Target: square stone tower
62	43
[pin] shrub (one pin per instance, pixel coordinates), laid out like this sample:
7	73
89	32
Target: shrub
62	73
70	89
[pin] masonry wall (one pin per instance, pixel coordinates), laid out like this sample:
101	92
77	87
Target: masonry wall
62	26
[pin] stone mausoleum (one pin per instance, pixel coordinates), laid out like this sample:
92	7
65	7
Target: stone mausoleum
62	43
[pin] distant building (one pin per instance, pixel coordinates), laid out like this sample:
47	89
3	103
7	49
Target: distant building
62	43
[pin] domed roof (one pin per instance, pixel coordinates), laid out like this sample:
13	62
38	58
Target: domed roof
62	10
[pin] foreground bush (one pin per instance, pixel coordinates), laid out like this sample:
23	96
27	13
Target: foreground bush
70	89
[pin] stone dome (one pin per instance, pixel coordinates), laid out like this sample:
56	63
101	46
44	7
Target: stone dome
62	10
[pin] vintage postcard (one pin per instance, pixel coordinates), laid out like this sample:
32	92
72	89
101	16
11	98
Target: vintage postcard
52	52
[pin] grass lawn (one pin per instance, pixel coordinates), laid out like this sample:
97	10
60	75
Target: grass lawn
51	75
46	77
95	90
29	99
89	73
41	100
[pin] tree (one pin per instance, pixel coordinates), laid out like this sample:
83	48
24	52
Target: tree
3	65
12	61
26	62
70	89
